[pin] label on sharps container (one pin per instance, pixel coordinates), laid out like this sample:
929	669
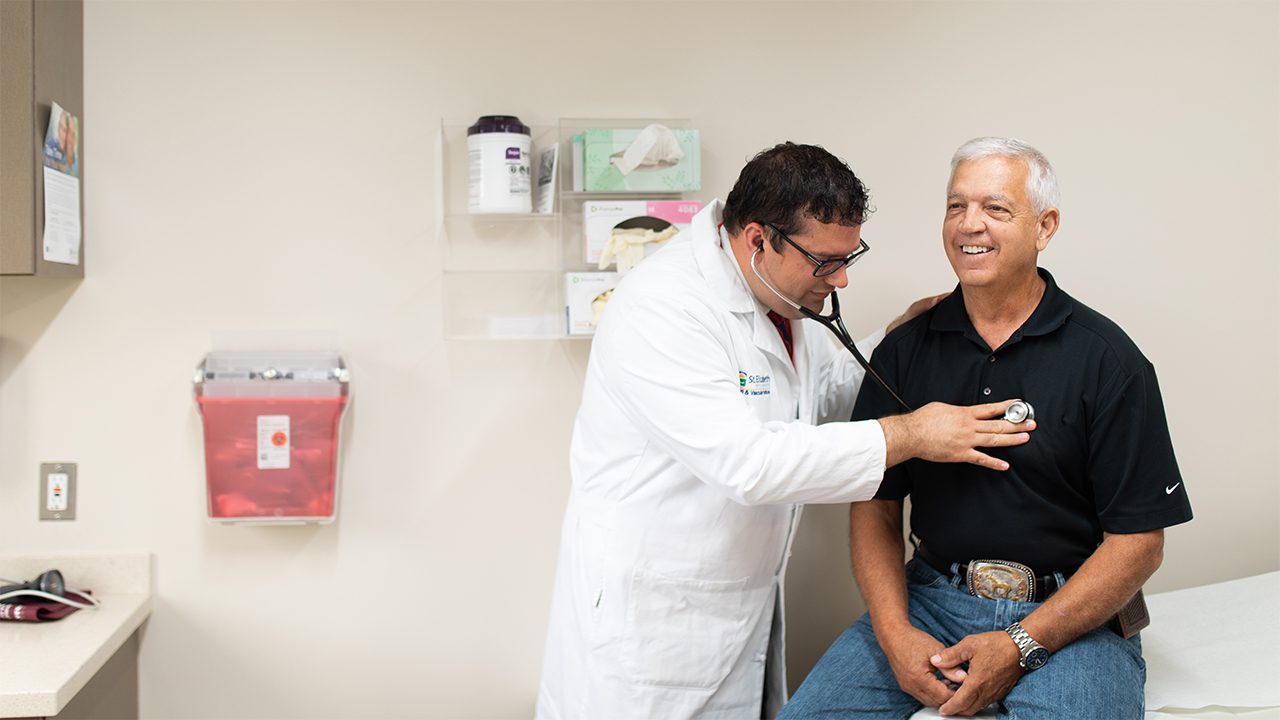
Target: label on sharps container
273	442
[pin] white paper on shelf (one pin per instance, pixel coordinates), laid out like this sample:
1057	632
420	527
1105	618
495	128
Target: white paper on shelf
544	191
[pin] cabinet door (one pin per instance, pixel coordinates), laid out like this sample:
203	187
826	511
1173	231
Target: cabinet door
41	62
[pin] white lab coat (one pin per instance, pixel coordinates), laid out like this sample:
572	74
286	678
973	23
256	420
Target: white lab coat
694	444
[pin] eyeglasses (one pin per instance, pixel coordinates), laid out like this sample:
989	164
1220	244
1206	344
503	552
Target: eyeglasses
830	265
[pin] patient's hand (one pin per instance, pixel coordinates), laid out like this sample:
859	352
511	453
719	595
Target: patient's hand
908	651
993	671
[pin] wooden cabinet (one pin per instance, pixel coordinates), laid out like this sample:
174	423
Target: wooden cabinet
41	62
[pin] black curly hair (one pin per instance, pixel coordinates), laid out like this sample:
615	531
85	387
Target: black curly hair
789	182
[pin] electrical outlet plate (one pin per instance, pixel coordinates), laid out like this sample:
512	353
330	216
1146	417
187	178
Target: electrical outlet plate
57	491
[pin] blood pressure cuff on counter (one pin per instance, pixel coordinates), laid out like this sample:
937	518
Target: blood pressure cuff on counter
35	610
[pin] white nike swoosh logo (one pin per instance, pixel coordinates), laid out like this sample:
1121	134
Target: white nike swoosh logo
1169	490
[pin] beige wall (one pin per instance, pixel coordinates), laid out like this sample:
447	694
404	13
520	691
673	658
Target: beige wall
268	166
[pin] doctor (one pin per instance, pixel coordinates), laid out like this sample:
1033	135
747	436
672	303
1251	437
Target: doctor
698	438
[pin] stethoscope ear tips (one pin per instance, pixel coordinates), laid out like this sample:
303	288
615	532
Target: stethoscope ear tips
1020	411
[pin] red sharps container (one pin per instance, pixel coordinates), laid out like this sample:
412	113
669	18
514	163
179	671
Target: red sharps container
272	424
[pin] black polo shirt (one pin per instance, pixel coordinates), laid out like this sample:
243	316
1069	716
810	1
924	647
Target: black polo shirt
1099	460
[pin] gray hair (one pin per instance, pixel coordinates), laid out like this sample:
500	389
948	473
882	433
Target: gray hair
1042	183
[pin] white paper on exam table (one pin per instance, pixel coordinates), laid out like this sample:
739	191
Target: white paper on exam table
1214	645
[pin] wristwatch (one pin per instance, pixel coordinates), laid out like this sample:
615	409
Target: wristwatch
1034	655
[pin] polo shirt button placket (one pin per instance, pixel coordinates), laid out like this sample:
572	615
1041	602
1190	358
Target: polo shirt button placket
985	374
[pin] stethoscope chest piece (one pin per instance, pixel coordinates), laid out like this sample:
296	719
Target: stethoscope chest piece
1019	411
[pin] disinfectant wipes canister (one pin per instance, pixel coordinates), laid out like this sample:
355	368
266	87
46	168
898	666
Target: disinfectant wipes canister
499	149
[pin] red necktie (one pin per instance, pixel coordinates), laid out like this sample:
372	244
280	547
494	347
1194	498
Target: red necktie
784	329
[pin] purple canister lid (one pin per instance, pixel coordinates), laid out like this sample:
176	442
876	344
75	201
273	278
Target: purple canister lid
498	124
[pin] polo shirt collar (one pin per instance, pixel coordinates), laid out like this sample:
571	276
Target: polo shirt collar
1049	315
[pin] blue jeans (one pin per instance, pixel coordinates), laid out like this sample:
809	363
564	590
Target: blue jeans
1100	675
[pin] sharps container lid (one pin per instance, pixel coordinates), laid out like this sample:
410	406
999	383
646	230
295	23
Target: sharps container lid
277	374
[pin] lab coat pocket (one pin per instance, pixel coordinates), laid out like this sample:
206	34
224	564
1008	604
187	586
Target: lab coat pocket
684	632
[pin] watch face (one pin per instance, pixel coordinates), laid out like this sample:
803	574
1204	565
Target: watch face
1036	658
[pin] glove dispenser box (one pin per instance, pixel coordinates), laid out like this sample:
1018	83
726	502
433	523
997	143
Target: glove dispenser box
272	426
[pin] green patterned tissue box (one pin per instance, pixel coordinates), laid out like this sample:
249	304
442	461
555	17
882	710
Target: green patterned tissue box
601	173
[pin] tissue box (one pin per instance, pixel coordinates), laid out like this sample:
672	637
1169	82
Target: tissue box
599	218
600	145
582	290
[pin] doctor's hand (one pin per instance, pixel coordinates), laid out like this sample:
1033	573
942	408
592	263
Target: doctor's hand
939	432
993	671
909	651
915	309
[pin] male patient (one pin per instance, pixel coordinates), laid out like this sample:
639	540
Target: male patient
1061	542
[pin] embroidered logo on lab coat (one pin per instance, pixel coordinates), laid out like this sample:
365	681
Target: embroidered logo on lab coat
753	384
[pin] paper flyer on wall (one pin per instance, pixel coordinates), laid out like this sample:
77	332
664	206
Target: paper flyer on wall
62	188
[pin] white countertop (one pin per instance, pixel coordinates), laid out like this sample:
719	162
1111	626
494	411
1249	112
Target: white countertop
43	665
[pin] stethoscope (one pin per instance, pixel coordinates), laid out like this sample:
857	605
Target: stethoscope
835	323
48	586
1017	412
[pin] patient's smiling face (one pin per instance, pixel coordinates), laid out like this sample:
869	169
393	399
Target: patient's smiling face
991	232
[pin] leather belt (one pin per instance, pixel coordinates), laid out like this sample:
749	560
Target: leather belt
1039	587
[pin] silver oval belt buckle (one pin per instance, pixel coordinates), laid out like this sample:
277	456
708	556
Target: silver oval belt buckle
1001	580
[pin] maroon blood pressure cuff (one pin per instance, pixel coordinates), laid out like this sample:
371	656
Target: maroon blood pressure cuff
41	610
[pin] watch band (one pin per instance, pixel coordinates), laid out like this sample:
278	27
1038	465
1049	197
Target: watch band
1033	655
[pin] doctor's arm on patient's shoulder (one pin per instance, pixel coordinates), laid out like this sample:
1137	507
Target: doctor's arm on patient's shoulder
939	432
915	309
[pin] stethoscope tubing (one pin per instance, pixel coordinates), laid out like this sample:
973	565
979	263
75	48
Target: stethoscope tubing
16	597
835	323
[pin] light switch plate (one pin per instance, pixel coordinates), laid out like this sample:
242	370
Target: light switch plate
57	491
